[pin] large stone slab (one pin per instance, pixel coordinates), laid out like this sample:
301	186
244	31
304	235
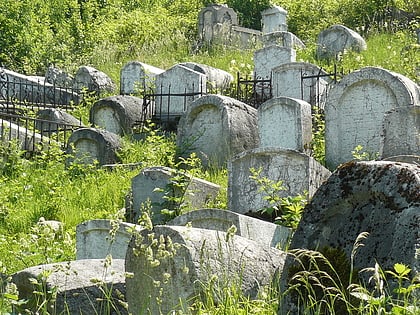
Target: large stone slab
267	58
81	286
265	233
283	39
118	114
172	264
137	77
355	110
152	184
297	171
400	132
96	239
289	80
216	128
336	39
286	123
217	79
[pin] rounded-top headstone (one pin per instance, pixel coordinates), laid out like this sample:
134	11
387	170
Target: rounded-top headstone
93	80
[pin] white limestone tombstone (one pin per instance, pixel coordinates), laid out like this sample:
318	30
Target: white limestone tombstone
274	19
217	127
336	39
286	123
289	80
297	171
183	84
217	79
96	239
215	21
137	76
153	183
355	110
28	140
400	132
283	39
270	57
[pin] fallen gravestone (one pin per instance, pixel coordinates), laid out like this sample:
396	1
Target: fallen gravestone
170	265
216	128
51	120
58	77
265	233
93	80
89	286
26	139
216	79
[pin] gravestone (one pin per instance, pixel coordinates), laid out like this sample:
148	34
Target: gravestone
413	159
93	80
286	123
289	80
58	77
152	184
182	262
282	39
51	120
265	233
297	171
273	19
217	127
267	58
137	76
96	239
216	79
378	197
400	132
214	23
87	286
337	39
118	114
245	38
27	140
91	145
176	88
355	110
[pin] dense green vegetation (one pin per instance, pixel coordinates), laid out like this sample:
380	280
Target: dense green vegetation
108	33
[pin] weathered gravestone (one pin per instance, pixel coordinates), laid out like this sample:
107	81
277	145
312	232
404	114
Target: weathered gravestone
413	159
273	19
58	77
270	57
355	110
88	286
157	187
217	127
26	139
93	80
51	120
216	79
137	77
283	39
301	80
378	197
265	233
401	132
336	39
90	145
173	264
297	171
286	123
176	89
96	239
215	22
118	114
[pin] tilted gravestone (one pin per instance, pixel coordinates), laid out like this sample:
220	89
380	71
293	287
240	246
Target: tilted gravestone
378	197
355	110
297	171
90	145
216	128
337	39
217	79
96	239
286	123
87	286
138	77
270	57
93	80
172	264
51	120
118	114
154	185
400	132
301	80
176	89
273	19
265	233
